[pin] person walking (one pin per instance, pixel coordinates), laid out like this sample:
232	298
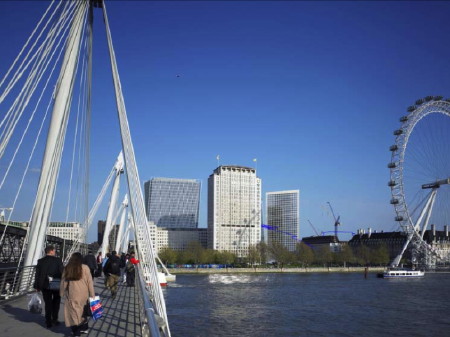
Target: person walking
112	272
123	263
76	287
131	270
99	264
49	266
90	261
108	255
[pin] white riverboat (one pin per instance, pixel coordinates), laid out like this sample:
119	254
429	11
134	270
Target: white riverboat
400	273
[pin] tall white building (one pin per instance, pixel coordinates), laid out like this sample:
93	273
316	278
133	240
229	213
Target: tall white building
283	217
234	209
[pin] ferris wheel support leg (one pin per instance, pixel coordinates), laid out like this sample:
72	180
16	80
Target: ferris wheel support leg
416	227
430	209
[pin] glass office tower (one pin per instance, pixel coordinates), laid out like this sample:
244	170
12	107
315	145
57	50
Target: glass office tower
283	217
172	203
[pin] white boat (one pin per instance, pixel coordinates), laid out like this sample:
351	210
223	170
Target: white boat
401	273
170	277
162	279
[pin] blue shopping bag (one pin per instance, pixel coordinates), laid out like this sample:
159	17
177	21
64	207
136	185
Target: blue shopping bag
96	307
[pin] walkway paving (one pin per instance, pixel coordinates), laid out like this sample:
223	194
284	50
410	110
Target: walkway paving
121	317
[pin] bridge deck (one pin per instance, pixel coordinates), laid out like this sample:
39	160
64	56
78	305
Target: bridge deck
121	316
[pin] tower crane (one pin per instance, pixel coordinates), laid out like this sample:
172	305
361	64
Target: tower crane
336	220
313	228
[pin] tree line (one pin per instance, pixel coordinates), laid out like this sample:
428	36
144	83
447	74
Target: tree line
278	255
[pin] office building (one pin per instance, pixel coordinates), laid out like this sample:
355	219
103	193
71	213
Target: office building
234	209
283	218
66	230
172	203
179	238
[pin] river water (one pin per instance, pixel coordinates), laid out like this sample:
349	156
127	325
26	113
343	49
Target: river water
319	304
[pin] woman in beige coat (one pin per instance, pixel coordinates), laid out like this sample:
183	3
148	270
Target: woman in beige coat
76	288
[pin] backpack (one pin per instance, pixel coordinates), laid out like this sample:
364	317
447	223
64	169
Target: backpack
114	267
129	267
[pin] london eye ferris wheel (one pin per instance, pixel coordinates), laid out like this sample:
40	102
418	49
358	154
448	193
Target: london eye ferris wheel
420	174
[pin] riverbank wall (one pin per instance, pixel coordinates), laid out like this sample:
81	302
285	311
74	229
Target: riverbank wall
274	270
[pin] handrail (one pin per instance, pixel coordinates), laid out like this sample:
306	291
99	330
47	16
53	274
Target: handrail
149	318
16	281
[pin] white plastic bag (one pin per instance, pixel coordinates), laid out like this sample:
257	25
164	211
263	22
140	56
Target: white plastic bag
35	304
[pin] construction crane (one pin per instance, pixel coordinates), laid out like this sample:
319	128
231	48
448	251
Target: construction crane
336	221
313	228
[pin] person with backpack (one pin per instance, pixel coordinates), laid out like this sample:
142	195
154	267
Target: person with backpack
123	264
130	267
112	273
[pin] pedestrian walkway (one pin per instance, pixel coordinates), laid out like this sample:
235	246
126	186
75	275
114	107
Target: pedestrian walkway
121	316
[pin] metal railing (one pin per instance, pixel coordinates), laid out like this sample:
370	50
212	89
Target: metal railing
152	325
16	281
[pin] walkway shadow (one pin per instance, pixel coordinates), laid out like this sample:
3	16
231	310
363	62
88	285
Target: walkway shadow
28	323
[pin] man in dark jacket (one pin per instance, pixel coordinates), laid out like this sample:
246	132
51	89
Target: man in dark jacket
51	266
112	272
90	261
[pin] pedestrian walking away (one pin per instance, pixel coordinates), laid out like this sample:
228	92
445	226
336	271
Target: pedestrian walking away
105	260
131	270
76	287
90	261
112	272
123	264
48	273
99	264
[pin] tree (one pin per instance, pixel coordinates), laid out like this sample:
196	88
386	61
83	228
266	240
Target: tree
345	255
263	252
195	253
280	254
380	255
168	255
253	256
323	255
225	257
304	254
363	255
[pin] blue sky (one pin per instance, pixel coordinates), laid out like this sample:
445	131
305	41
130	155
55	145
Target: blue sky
313	90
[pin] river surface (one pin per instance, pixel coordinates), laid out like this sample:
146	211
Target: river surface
308	305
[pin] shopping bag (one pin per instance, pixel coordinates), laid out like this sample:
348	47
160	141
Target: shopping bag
96	307
35	304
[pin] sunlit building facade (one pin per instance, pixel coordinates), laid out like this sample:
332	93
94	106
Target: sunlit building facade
66	230
234	209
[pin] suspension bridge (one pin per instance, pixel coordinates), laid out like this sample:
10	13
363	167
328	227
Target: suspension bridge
55	66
